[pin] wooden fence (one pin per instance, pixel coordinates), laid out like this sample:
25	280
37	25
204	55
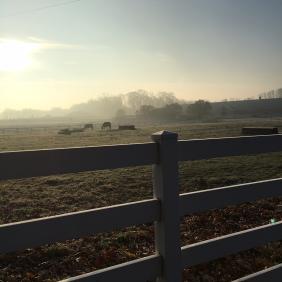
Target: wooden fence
165	209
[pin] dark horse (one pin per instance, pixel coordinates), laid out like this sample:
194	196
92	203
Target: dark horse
106	124
88	125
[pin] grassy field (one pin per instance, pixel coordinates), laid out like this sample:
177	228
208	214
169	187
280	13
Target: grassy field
37	197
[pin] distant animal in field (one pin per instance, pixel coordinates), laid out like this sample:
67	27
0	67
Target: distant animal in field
88	126
126	127
106	125
65	131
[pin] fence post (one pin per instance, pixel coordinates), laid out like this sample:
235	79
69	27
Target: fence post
167	230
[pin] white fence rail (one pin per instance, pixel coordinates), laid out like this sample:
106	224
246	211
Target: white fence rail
165	209
36	232
270	274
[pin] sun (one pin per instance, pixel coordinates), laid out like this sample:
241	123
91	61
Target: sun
15	55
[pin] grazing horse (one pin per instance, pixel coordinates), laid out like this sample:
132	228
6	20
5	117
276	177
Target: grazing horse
88	125
106	124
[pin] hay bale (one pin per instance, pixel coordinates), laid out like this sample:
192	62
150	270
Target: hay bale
126	127
75	130
65	131
259	130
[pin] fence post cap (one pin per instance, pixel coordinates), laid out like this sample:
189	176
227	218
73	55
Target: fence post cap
164	135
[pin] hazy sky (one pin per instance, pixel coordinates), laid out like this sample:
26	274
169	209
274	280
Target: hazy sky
212	49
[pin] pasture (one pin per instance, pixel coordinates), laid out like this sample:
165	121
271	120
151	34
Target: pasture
43	196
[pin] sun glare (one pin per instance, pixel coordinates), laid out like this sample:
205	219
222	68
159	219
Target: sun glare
15	55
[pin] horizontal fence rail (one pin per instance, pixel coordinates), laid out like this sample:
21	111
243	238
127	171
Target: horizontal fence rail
271	274
230	195
33	163
164	209
33	233
199	149
229	244
140	270
23	164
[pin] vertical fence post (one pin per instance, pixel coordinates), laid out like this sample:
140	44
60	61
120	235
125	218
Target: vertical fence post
167	230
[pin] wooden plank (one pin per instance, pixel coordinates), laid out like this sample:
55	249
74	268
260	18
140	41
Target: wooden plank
271	274
233	243
167	229
230	195
198	149
140	270
32	233
22	164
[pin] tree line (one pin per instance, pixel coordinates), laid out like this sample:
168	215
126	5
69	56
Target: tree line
176	111
272	94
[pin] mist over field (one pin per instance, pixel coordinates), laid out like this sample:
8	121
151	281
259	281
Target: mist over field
160	106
